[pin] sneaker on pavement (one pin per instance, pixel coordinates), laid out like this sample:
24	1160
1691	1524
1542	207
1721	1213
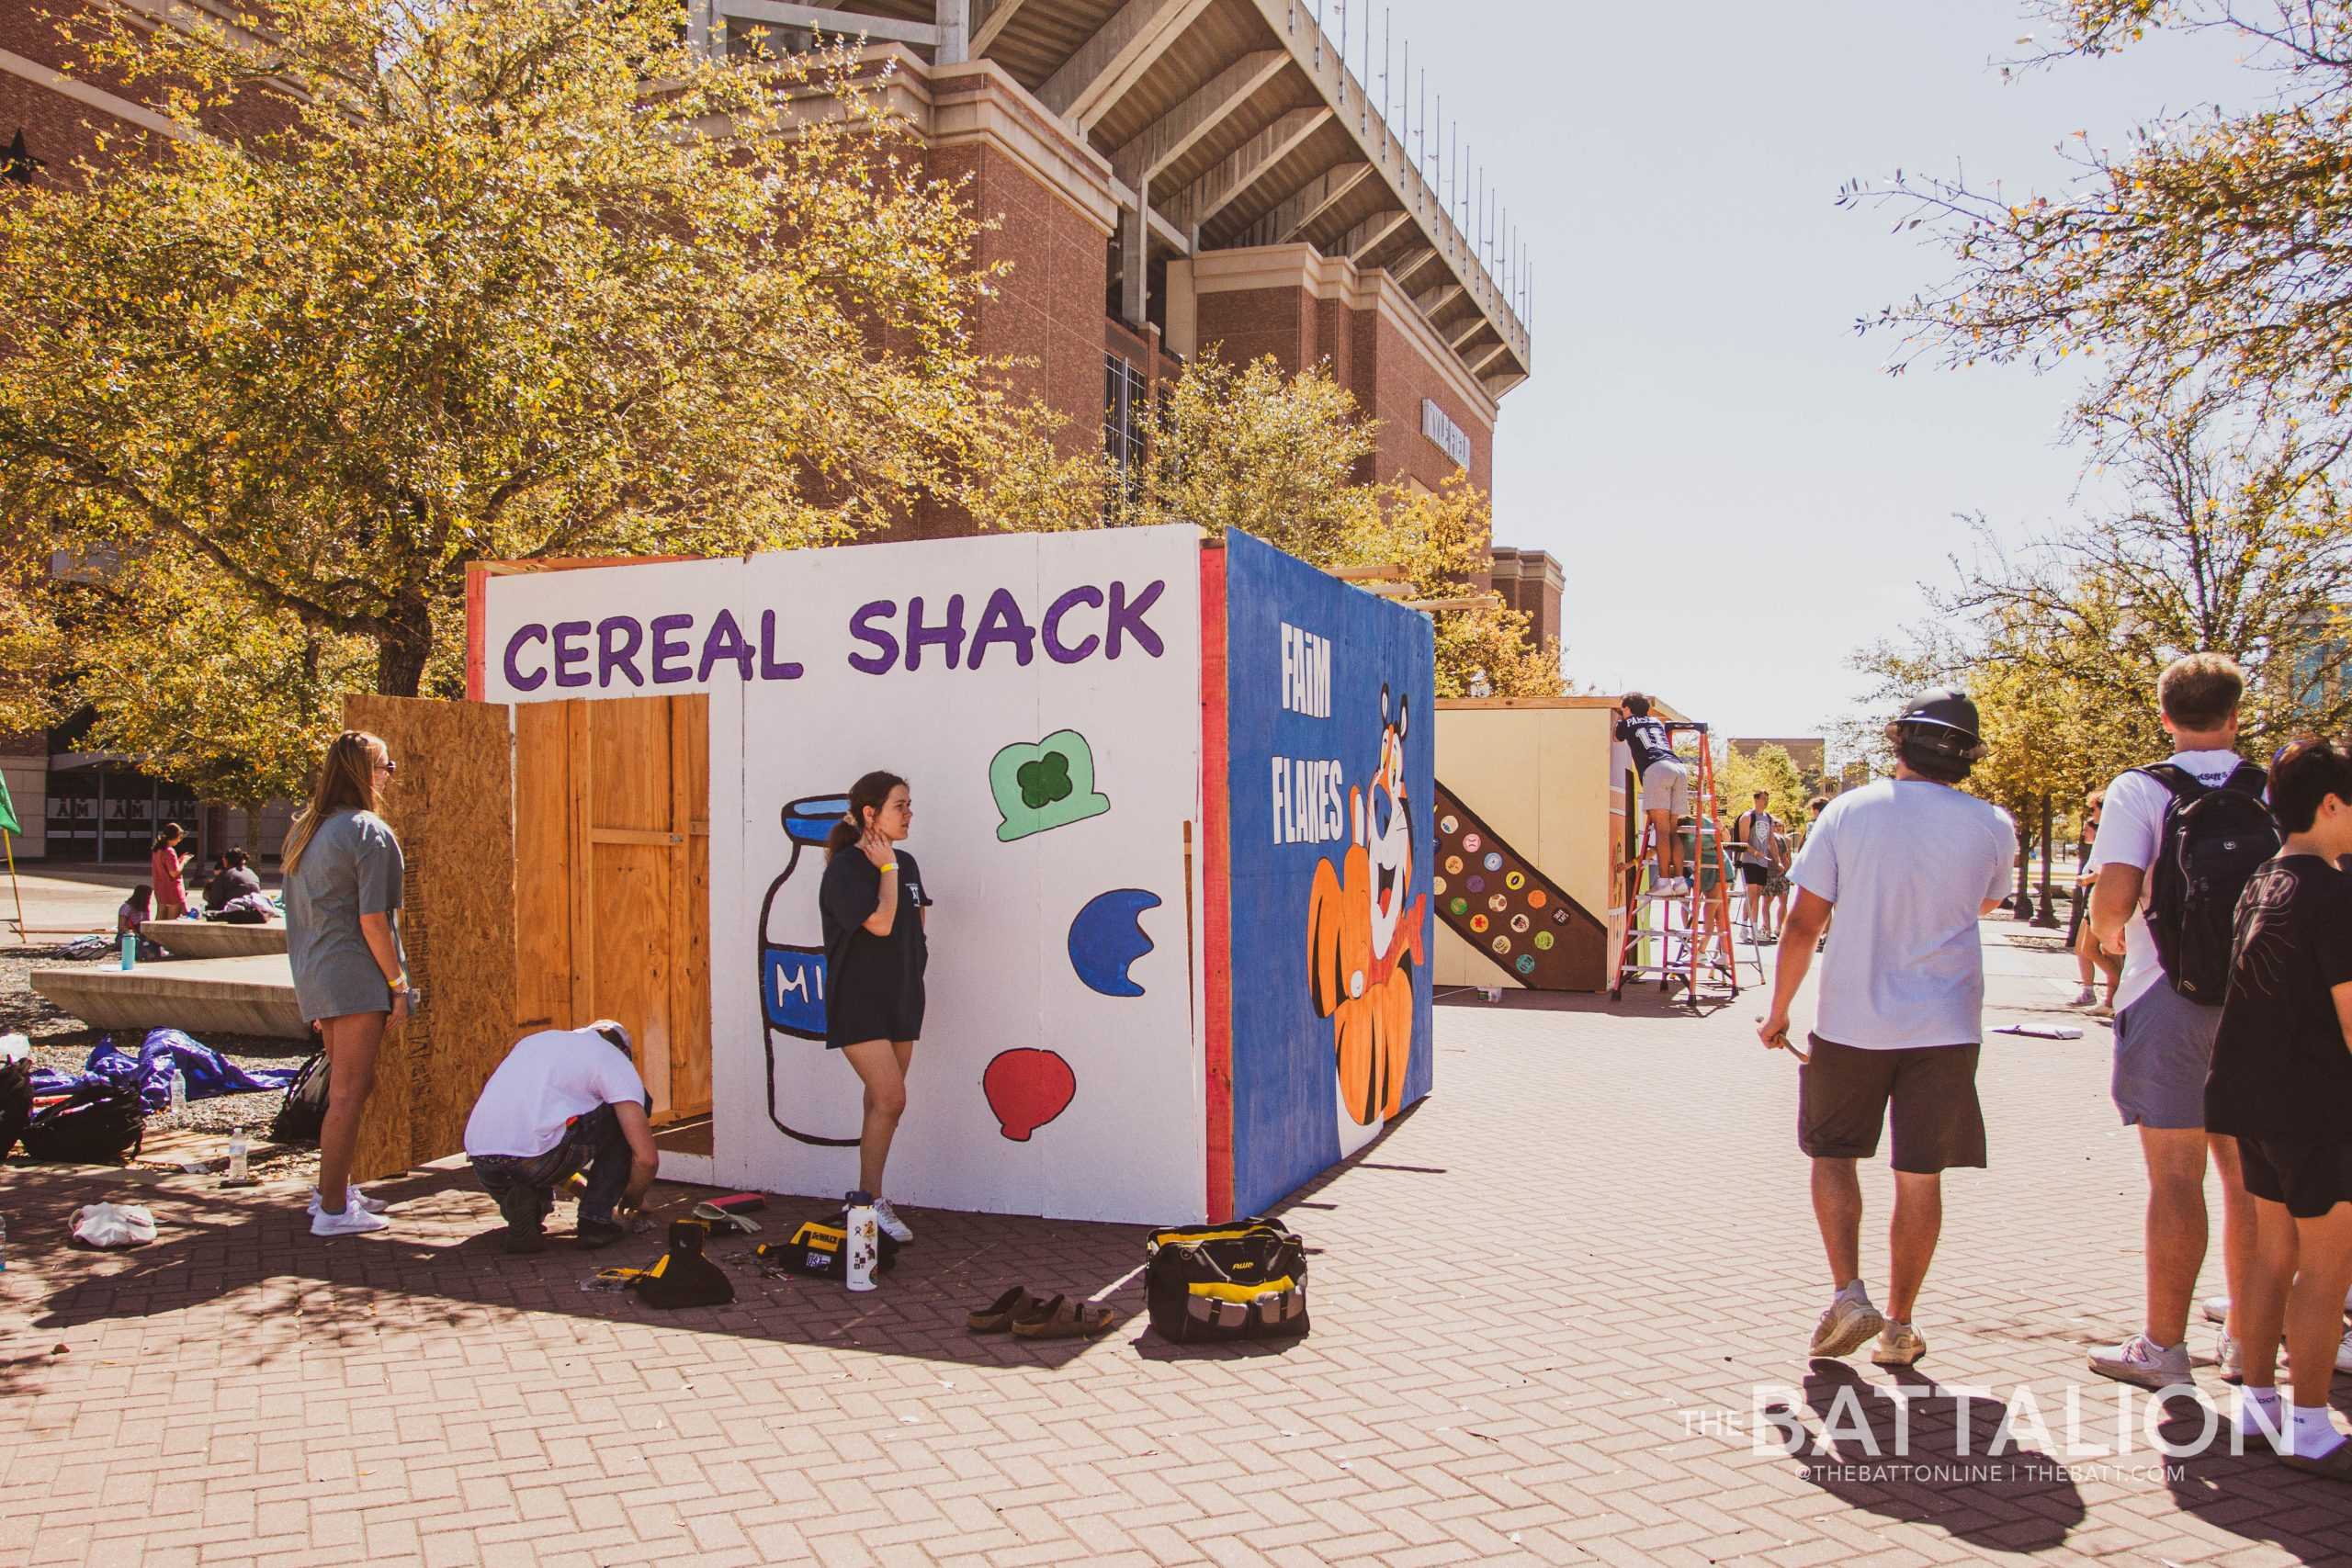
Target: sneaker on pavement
1899	1345
2084	998
353	1221
2215	1308
2342	1353
2142	1360
2226	1357
524	1210
1850	1321
352	1199
594	1233
887	1217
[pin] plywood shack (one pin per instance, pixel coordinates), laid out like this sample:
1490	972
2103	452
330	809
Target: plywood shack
1543	781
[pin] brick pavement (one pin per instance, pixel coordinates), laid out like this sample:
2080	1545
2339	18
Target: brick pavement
1620	1187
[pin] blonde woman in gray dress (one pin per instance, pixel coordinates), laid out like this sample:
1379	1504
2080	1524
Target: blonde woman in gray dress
343	870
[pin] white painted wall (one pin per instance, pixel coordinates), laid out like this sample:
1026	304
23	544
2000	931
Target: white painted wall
1131	1144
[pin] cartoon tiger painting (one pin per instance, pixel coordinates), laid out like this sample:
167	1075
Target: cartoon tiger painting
1362	941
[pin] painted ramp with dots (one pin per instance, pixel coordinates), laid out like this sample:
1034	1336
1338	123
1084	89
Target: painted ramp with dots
1498	902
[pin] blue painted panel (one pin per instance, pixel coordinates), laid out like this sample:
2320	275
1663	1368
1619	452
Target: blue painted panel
1330	713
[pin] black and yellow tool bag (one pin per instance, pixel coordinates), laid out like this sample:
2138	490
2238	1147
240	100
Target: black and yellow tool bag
819	1250
1242	1280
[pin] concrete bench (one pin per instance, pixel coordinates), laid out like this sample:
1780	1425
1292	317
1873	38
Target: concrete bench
253	995
215	938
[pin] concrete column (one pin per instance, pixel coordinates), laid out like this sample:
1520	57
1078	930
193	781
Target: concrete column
1135	258
698	18
955	31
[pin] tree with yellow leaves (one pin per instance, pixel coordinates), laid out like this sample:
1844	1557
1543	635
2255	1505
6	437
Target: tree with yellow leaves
519	279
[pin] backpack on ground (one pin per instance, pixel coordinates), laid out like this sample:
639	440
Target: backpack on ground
819	1249
98	1123
1243	1281
2213	840
681	1275
305	1109
15	1100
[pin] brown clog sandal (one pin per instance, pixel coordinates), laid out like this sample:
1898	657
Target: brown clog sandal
1062	1318
1000	1313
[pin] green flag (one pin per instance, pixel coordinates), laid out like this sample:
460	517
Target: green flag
8	822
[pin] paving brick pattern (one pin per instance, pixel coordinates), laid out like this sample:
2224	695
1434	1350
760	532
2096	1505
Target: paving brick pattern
1541	1305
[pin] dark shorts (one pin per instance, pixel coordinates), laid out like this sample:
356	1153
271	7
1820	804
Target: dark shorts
2309	1175
1843	1095
2163	1052
1756	875
854	1020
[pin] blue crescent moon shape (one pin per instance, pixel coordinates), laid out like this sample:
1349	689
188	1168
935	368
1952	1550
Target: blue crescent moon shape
1107	938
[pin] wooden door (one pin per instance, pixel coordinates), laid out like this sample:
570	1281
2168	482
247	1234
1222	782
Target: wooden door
612	839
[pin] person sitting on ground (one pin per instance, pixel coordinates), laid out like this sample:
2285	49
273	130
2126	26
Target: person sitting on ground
132	912
564	1101
1665	785
2281	1086
235	879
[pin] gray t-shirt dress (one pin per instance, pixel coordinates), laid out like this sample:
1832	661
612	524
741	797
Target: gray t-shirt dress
351	867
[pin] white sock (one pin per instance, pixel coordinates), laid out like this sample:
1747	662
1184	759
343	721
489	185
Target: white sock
1856	1290
2314	1434
2261	1413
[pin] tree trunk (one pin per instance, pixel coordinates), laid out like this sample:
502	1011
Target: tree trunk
403	647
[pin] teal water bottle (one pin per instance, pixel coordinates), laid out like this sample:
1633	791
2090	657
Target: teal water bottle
130	950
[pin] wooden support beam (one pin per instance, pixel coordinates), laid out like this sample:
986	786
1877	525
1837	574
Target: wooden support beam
1487	358
1178	130
1438	298
1366	236
1305	205
1121	50
1210	193
993	17
1478	325
1412	262
1378	572
1474	601
824	18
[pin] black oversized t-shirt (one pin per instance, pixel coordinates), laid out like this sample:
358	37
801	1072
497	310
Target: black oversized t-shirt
872	983
2280	1066
1648	739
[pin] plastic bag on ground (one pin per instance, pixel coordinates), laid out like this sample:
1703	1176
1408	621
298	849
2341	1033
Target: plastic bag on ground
113	1224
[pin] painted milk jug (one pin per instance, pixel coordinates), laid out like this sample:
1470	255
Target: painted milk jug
811	1097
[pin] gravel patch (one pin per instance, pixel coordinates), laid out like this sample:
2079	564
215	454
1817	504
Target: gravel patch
64	1042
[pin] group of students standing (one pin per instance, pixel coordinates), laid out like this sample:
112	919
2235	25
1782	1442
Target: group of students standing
571	1101
2223	892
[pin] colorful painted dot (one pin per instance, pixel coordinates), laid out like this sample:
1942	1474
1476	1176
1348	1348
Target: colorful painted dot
1453	865
1543	941
1501	944
1460	906
1560	917
1535	898
1494	862
1515	881
1448	823
1437	886
1470	842
1478	922
1475	884
1519	922
1526	964
1497	903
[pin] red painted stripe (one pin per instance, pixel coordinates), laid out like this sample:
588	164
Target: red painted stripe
477	609
1216	913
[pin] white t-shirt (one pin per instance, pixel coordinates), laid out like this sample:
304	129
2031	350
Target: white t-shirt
2130	828
1909	866
545	1080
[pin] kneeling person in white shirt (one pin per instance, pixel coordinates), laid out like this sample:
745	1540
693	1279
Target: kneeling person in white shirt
564	1101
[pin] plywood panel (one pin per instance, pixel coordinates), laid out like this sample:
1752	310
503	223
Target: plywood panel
632	894
452	809
630	755
543	861
690	908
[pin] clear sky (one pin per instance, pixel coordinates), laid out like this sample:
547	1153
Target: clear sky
1740	496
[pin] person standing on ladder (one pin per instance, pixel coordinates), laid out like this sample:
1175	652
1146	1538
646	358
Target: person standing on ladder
1914	864
1665	785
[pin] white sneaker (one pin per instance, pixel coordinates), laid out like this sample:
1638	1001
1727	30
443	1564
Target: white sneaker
2084	998
2216	1309
1899	1345
2342	1353
353	1221
886	1218
352	1199
2142	1360
2226	1357
1850	1321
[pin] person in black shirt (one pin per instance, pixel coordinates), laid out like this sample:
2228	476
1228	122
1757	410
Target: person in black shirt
2281	1083
1665	785
874	907
235	879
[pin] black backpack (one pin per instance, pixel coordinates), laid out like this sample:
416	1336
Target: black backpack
98	1123
1243	1281
304	1109
2212	840
819	1249
15	1101
681	1275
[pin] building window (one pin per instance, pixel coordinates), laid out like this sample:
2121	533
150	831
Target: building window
1127	406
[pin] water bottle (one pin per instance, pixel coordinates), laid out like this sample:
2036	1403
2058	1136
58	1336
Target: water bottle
130	950
238	1175
864	1240
179	1095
